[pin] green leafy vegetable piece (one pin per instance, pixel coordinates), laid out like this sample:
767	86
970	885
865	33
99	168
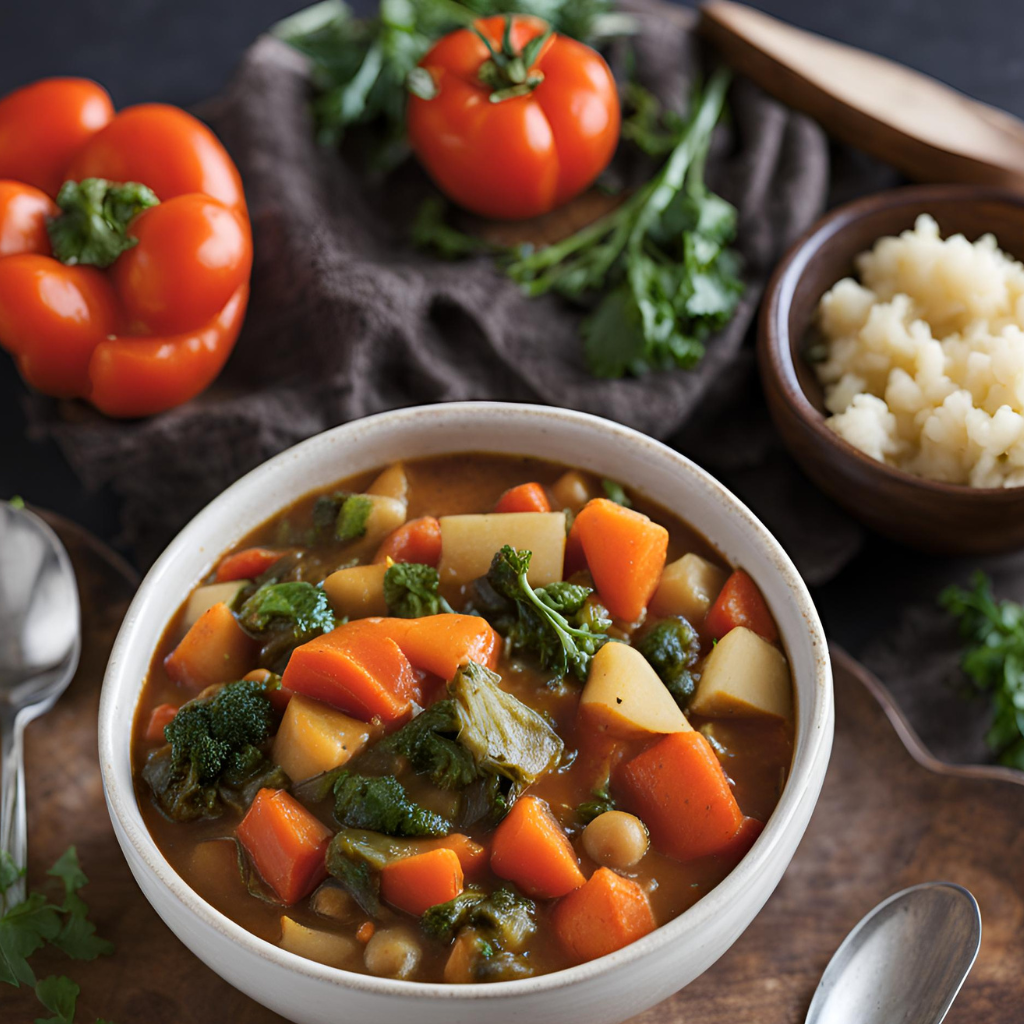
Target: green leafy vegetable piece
352	518
993	660
9	873
602	802
659	258
381	804
543	623
506	918
77	936
303	605
25	928
411	590
59	995
429	742
93	227
504	735
615	492
673	648
213	741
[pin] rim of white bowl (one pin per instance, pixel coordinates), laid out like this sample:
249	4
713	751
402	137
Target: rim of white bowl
124	807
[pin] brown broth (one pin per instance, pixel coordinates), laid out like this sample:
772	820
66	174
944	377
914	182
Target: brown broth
758	759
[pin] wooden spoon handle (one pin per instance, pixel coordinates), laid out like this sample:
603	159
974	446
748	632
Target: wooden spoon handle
924	128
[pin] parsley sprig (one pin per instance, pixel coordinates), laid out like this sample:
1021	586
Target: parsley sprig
26	926
993	660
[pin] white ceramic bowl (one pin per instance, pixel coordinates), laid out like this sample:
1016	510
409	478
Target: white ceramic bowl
604	991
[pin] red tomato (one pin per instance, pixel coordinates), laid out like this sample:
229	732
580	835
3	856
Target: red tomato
523	155
44	124
23	213
162	147
192	256
51	319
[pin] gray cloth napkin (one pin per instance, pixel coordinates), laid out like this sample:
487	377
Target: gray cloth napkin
347	319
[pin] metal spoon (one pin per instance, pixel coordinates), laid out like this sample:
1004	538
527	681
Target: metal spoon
40	641
903	963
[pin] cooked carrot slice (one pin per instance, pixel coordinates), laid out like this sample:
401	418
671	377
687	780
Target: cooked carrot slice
472	856
247	564
679	791
530	849
163	715
604	915
365	932
286	843
215	650
360	671
739	846
739	603
417	883
524	498
625	552
418	540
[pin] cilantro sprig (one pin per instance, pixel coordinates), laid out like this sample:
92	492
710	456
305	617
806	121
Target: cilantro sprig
29	924
993	660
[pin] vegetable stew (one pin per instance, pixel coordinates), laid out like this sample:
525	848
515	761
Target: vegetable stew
465	719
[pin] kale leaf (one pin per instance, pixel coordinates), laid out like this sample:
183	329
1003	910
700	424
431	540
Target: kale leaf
355	858
551	622
429	742
506	918
213	747
411	591
993	660
673	648
341	516
381	804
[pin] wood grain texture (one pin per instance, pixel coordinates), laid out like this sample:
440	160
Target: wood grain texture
883	822
922	127
943	518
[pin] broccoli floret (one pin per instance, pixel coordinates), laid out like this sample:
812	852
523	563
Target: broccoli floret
212	742
553	622
284	615
429	742
673	648
380	804
411	590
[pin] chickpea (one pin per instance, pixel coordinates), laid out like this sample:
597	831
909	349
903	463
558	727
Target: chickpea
616	839
392	953
331	900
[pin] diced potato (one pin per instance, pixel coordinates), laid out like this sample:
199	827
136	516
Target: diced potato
325	947
744	676
203	598
573	490
314	738
392	483
387	515
625	697
469	543
214	650
357	592
688	588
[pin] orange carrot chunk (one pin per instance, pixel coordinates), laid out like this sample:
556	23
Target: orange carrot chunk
286	844
739	846
418	540
472	856
679	791
417	883
358	671
604	915
247	564
215	650
530	849
440	644
524	498
163	715
625	552
365	932
739	603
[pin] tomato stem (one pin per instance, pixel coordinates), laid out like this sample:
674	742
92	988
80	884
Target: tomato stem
509	72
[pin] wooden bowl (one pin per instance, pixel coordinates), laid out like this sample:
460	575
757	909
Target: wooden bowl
943	518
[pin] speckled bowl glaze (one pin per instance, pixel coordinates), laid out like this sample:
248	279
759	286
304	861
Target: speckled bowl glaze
603	991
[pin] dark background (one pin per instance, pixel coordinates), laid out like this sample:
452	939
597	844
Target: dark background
180	51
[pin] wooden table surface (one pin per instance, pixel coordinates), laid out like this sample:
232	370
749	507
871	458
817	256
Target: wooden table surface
884	821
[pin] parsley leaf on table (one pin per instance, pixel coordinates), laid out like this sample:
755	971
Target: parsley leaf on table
994	660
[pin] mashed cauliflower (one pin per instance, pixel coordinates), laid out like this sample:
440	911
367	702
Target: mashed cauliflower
924	366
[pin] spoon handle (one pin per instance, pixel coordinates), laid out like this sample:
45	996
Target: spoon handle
13	827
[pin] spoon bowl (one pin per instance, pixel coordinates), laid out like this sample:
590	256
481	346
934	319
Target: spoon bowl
40	642
905	961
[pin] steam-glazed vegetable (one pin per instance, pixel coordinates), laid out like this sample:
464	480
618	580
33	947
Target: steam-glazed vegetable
464	720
